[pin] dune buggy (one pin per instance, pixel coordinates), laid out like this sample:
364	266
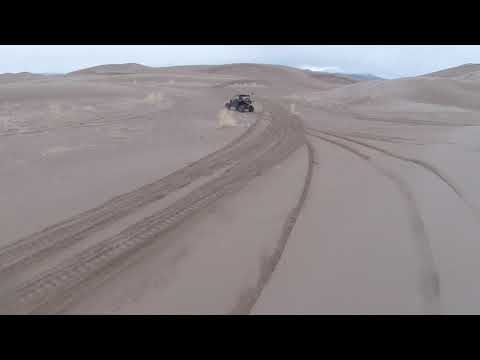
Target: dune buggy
240	103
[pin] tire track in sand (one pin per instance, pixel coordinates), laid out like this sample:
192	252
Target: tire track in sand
426	166
51	291
248	300
55	237
429	284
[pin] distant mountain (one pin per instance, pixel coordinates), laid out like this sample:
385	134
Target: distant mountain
331	77
9	77
361	77
343	77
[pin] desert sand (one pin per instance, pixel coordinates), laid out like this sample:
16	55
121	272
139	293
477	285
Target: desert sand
128	189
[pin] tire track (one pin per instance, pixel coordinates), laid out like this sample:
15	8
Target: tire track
251	296
78	227
429	284
51	291
411	122
98	121
382	138
426	166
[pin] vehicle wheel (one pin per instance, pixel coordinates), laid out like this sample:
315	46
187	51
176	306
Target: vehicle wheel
250	108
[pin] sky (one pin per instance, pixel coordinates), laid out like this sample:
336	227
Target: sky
385	61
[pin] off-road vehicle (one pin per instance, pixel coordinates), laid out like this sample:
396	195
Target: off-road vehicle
240	103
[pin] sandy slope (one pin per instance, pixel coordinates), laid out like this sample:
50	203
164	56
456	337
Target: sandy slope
391	222
130	189
211	264
462	72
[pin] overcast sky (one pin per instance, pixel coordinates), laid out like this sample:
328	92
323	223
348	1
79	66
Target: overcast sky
384	61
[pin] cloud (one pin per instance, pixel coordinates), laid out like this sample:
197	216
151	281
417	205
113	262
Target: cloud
333	69
387	61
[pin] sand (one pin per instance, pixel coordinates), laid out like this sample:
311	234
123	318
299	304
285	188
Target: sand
132	190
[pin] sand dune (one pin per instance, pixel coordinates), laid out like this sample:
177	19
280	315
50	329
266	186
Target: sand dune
462	72
140	193
113	69
23	76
